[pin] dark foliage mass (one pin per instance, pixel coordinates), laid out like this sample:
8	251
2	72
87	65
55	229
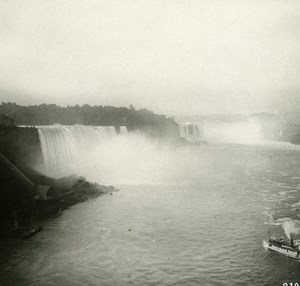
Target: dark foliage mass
46	114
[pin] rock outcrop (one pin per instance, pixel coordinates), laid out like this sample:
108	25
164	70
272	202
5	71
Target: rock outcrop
26	195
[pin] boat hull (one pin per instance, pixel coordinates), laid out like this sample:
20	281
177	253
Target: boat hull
284	251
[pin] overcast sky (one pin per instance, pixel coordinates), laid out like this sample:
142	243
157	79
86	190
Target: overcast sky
171	56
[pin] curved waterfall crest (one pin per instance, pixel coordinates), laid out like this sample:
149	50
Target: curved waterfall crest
64	145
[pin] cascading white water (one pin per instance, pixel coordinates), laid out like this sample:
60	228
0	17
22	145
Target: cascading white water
123	130
191	132
66	145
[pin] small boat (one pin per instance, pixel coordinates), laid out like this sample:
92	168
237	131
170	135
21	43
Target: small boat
289	248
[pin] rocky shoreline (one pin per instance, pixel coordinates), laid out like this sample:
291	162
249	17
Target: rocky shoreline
27	196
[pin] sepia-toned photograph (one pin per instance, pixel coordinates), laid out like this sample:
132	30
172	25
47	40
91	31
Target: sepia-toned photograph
150	142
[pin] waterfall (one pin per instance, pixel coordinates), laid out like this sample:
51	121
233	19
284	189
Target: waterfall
123	130
66	145
191	132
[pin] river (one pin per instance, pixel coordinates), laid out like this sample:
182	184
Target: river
196	216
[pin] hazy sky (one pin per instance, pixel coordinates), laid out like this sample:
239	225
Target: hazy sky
171	56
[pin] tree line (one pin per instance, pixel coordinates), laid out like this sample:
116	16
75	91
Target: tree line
155	125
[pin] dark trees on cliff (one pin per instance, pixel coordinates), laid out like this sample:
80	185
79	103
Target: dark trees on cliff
46	114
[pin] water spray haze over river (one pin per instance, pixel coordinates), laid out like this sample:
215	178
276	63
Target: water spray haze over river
132	159
243	132
128	158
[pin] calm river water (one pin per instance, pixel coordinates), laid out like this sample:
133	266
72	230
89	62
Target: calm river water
201	221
